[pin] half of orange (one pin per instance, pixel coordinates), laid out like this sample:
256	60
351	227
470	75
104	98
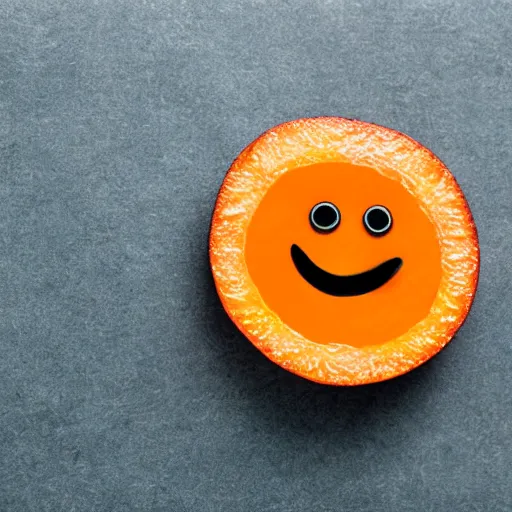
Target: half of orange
344	251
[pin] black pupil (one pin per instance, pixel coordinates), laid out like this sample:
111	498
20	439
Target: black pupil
325	216
377	219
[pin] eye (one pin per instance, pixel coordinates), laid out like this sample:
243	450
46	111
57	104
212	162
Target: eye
324	217
377	220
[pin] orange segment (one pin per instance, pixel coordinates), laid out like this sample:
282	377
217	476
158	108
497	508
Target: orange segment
262	209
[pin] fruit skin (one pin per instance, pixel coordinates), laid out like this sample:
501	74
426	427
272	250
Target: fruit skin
395	155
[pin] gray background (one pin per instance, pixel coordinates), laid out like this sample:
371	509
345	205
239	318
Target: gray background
123	386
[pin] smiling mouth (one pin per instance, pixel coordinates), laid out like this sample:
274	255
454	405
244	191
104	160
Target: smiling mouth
344	286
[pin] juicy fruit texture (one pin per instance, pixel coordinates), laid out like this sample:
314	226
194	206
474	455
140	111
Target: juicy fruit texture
262	210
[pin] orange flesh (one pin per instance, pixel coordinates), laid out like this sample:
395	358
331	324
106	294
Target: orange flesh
281	220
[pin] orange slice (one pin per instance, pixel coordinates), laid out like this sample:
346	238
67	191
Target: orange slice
344	251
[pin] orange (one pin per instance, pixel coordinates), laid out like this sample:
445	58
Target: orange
344	251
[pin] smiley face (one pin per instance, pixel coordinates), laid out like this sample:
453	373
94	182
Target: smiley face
344	251
343	254
325	218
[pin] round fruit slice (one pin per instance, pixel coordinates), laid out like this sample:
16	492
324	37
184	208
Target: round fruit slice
344	251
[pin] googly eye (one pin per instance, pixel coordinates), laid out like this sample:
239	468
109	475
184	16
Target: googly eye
324	217
377	220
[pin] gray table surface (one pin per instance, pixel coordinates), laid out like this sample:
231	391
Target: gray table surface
123	386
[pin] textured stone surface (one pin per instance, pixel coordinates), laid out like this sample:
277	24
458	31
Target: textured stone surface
123	385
